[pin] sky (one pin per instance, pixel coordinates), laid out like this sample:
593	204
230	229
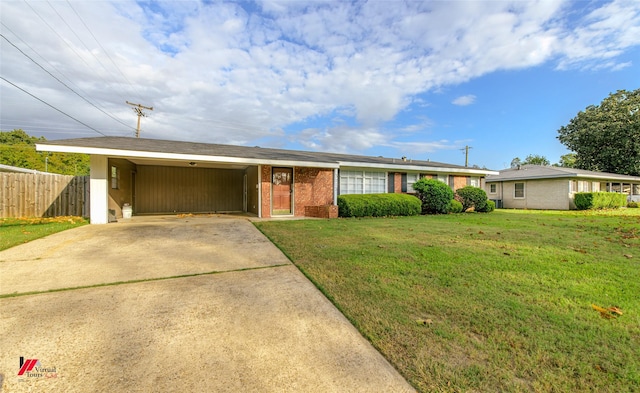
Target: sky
423	80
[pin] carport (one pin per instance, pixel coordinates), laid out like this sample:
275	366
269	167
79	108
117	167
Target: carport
159	187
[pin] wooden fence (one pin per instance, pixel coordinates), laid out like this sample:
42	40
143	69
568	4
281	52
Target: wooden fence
43	195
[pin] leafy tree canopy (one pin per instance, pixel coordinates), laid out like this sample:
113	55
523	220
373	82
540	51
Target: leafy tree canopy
532	159
17	148
567	161
606	137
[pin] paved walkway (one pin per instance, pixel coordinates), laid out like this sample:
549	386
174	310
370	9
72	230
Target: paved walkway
174	304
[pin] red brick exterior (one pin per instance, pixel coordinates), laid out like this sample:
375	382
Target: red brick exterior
397	183
265	190
459	182
312	187
312	191
325	211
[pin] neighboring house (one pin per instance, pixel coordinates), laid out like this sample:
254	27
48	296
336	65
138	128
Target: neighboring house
160	176
549	187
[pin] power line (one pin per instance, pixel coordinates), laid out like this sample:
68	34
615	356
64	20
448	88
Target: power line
64	84
102	47
51	106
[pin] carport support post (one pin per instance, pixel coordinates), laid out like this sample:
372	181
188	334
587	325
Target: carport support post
99	190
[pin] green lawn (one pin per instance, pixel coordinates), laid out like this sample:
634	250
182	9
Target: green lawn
14	231
485	302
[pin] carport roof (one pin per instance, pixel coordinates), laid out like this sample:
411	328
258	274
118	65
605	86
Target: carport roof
179	150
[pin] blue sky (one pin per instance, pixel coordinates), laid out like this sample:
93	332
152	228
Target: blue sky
393	78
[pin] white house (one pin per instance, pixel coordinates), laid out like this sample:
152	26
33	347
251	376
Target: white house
550	187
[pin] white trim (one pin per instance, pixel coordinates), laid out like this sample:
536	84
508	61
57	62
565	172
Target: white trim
182	157
524	190
417	168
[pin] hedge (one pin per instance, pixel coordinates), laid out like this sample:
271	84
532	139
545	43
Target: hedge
378	205
599	200
455	206
472	197
435	195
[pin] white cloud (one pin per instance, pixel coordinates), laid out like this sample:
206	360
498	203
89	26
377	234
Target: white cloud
239	72
464	100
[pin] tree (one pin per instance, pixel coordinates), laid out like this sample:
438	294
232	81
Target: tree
532	159
17	148
567	161
606	137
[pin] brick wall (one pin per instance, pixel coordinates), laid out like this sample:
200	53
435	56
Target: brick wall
312	187
397	183
265	190
459	182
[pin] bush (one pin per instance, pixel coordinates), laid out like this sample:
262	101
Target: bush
472	197
599	200
435	195
489	207
455	207
633	205
378	205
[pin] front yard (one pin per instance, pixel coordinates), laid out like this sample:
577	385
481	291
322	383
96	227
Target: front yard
485	302
14	231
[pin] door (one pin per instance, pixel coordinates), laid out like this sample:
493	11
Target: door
282	190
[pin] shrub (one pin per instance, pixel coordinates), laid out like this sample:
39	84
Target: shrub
599	200
489	207
378	205
435	195
472	197
455	207
633	205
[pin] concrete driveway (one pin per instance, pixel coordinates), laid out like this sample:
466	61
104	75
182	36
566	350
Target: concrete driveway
174	304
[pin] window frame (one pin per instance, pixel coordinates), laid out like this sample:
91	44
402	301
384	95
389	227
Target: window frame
515	190
115	177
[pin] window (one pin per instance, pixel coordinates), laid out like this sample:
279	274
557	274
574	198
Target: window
518	191
360	182
493	188
374	182
474	181
412	178
636	189
115	177
573	186
443	178
583	186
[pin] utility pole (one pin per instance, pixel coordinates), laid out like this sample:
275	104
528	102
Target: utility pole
466	155
137	108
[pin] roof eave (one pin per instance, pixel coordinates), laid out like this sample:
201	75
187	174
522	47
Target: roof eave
180	156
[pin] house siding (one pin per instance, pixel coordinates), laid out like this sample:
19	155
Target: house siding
552	194
165	189
252	189
124	193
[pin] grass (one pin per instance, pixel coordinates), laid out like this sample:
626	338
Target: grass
485	302
14	231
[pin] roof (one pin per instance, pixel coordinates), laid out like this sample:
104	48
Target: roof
179	150
532	172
